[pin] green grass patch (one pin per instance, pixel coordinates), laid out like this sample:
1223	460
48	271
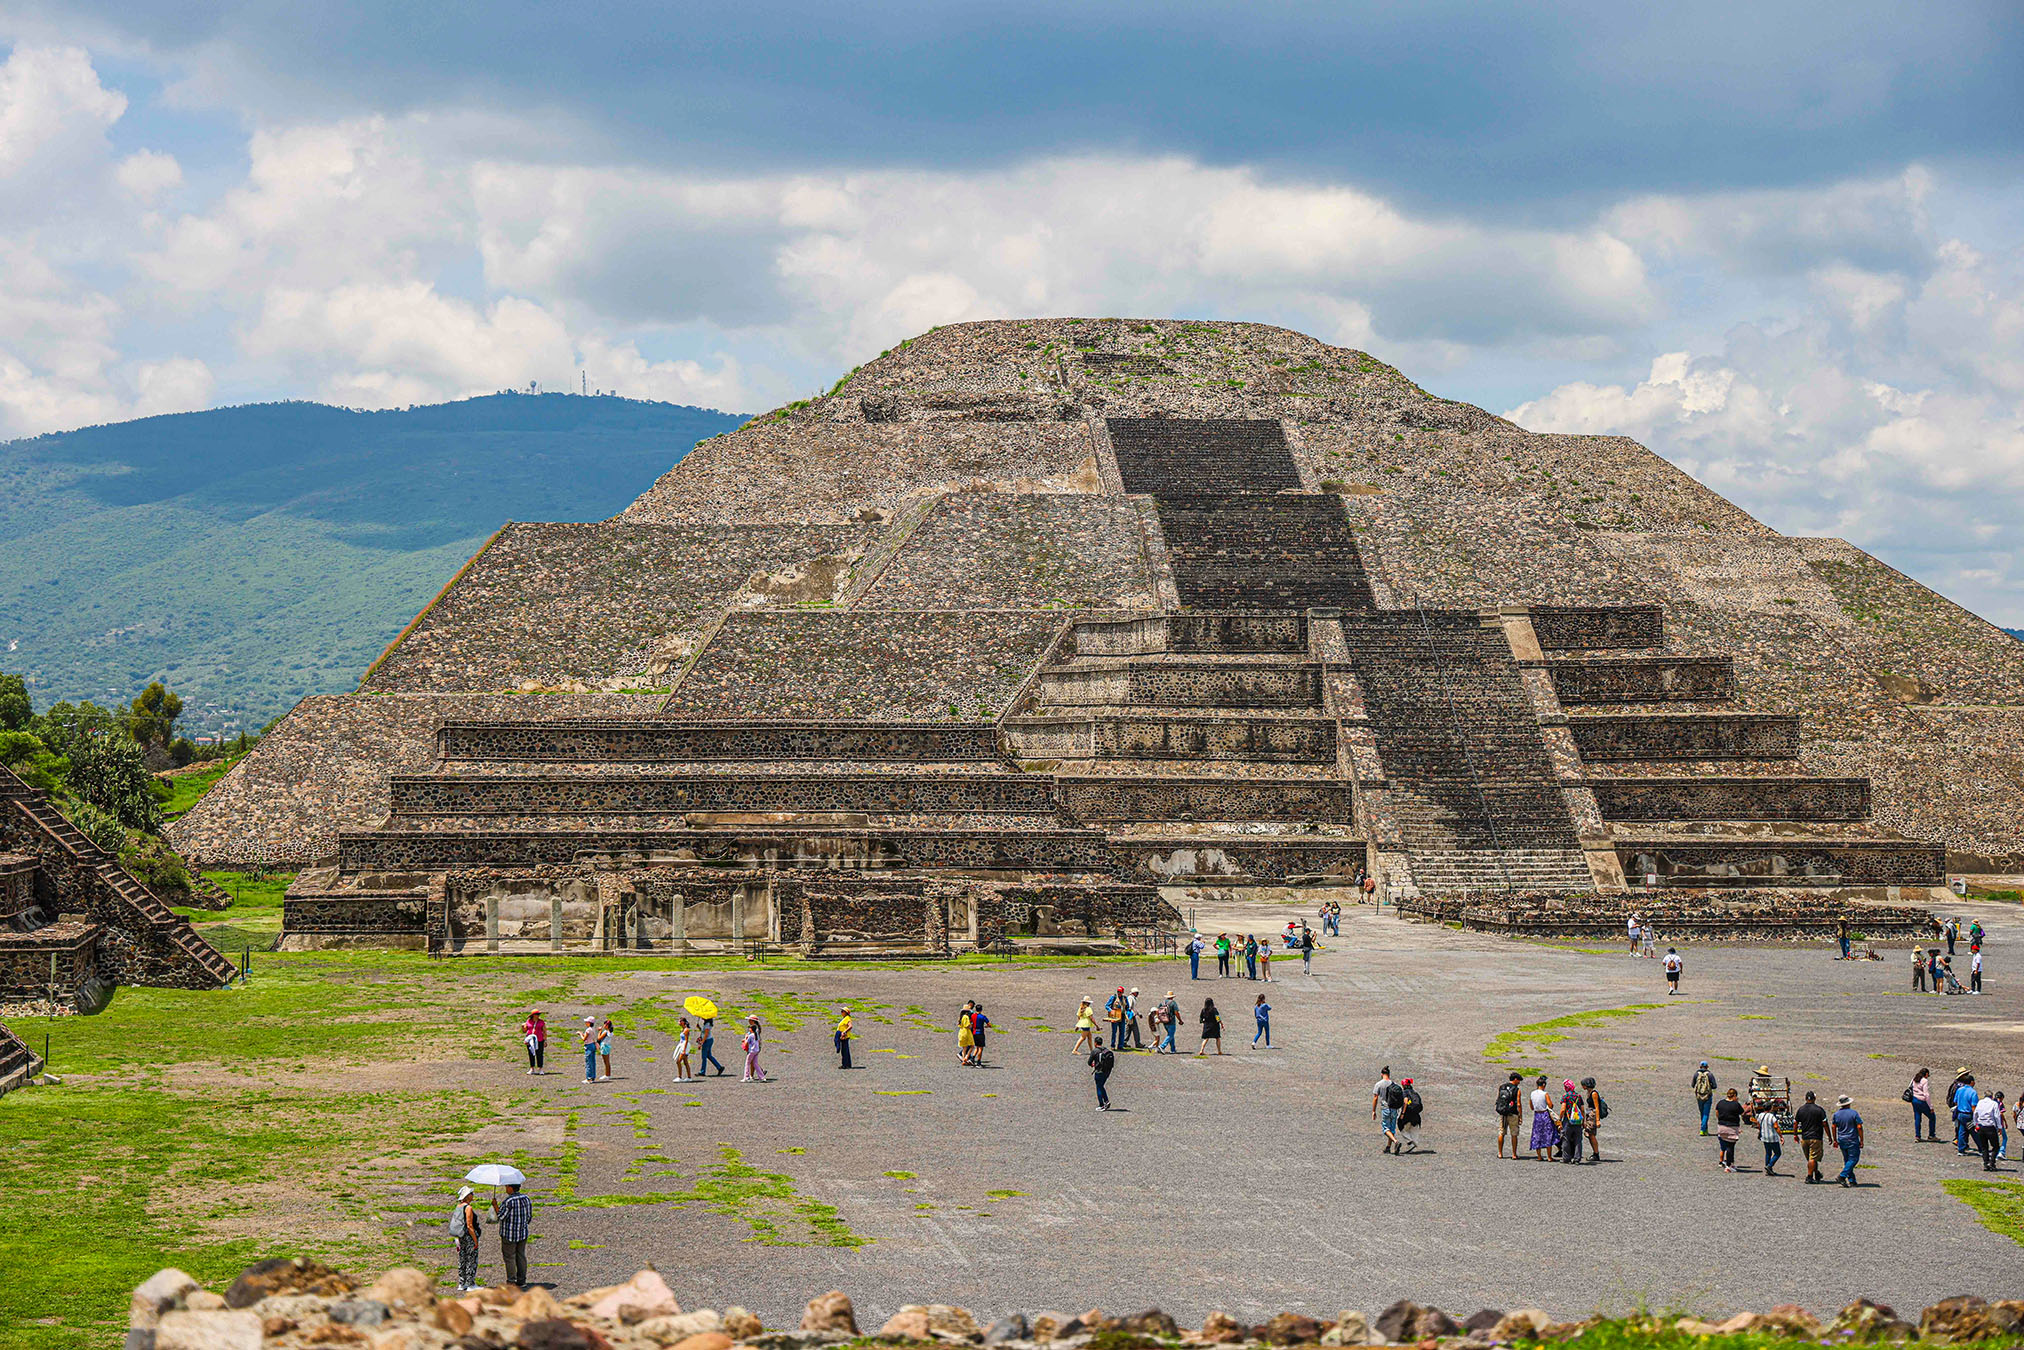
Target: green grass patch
1539	1038
1998	1204
186	790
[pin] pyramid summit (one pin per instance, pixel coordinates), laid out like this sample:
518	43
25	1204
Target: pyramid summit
1027	623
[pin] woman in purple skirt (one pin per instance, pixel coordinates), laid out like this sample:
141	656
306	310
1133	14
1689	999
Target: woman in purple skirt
1545	1134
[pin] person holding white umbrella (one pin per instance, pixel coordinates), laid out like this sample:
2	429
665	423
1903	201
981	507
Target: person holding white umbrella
514	1214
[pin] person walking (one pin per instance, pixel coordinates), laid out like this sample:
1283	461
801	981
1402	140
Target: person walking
1250	957
753	1073
588	1039
1510	1110
466	1228
1847	1138
1171	1009
1113	1013
514	1217
1728	1128
1261	1012
1975	970
980	1032
842	1036
1768	1135
1102	1059
1988	1128
1212	1028
1545	1134
1918	971
1195	946
1975	936
1647	941
1809	1122
1673	966
1265	961
1387	1100
966	1035
1593	1109
1306	950
1704	1092
1411	1112
706	1034
605	1036
684	1046
1572	1130
534	1033
1223	956
1085	1028
1920	1095
1962	1100
1131	1024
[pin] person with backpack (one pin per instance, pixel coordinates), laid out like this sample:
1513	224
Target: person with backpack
1963	1100
1975	936
1571	1129
1673	966
1594	1110
466	1228
1412	1109
1101	1061
1394	1117
1509	1113
1195	946
1306	950
1704	1093
1171	1009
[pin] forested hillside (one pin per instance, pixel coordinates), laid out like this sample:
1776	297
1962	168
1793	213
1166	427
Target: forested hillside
249	556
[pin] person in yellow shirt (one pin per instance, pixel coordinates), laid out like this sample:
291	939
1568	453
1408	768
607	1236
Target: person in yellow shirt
843	1036
1085	1029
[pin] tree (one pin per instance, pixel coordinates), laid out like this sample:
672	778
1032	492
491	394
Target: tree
107	771
15	707
151	718
65	723
101	827
31	761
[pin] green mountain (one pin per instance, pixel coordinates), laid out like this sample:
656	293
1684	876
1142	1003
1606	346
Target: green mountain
253	555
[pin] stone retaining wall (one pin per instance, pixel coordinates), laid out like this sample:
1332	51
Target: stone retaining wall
1784	862
380	914
1196	633
1647	679
879	794
1115	798
1225	684
1597	627
386	850
1659	799
644	741
1703	736
17	885
55	960
932	666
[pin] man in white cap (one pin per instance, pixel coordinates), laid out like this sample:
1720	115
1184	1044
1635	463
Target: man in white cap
466	1228
1131	1022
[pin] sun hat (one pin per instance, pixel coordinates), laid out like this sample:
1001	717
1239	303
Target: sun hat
589	1021
1844	1100
1763	1068
465	1194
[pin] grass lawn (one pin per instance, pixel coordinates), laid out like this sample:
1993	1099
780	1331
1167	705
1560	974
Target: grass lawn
186	790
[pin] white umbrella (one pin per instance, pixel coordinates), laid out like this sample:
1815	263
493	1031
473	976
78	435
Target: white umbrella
495	1174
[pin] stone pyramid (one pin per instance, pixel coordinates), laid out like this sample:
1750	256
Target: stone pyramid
1026	620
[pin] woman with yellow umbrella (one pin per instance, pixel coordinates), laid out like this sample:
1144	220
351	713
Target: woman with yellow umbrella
702	1009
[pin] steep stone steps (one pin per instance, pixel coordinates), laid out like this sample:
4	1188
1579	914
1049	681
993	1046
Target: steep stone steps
1248	552
1163	455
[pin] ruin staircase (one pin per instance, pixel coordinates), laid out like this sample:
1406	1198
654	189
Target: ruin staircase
144	906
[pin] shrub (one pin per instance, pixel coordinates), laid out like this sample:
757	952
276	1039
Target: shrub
156	865
101	827
107	771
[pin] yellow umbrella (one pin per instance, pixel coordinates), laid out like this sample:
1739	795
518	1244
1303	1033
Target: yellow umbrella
700	1006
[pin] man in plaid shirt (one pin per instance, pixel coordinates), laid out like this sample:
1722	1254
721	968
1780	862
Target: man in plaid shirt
514	1215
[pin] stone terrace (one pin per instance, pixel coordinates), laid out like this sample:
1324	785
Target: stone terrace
1002	551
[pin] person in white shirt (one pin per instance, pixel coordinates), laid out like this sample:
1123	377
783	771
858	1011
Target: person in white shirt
1382	1110
1630	927
1673	964
1545	1134
1975	972
1988	1128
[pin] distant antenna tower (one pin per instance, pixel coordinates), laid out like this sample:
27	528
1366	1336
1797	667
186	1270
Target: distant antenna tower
583	382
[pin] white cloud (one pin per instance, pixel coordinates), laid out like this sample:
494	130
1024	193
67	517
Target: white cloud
1814	425
147	174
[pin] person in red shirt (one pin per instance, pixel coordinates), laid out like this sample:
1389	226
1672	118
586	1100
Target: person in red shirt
534	1032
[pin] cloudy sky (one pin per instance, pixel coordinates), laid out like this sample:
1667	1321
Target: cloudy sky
1781	244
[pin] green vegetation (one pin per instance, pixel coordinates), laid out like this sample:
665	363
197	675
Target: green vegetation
1998	1204
1539	1037
250	556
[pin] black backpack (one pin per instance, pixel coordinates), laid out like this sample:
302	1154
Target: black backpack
1413	1104
1601	1107
1395	1096
1507	1100
1103	1061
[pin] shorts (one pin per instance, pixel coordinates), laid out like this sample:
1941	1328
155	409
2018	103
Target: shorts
1507	1128
1811	1149
1388	1118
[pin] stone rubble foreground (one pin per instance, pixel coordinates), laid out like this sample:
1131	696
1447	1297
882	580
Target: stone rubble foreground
284	1304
